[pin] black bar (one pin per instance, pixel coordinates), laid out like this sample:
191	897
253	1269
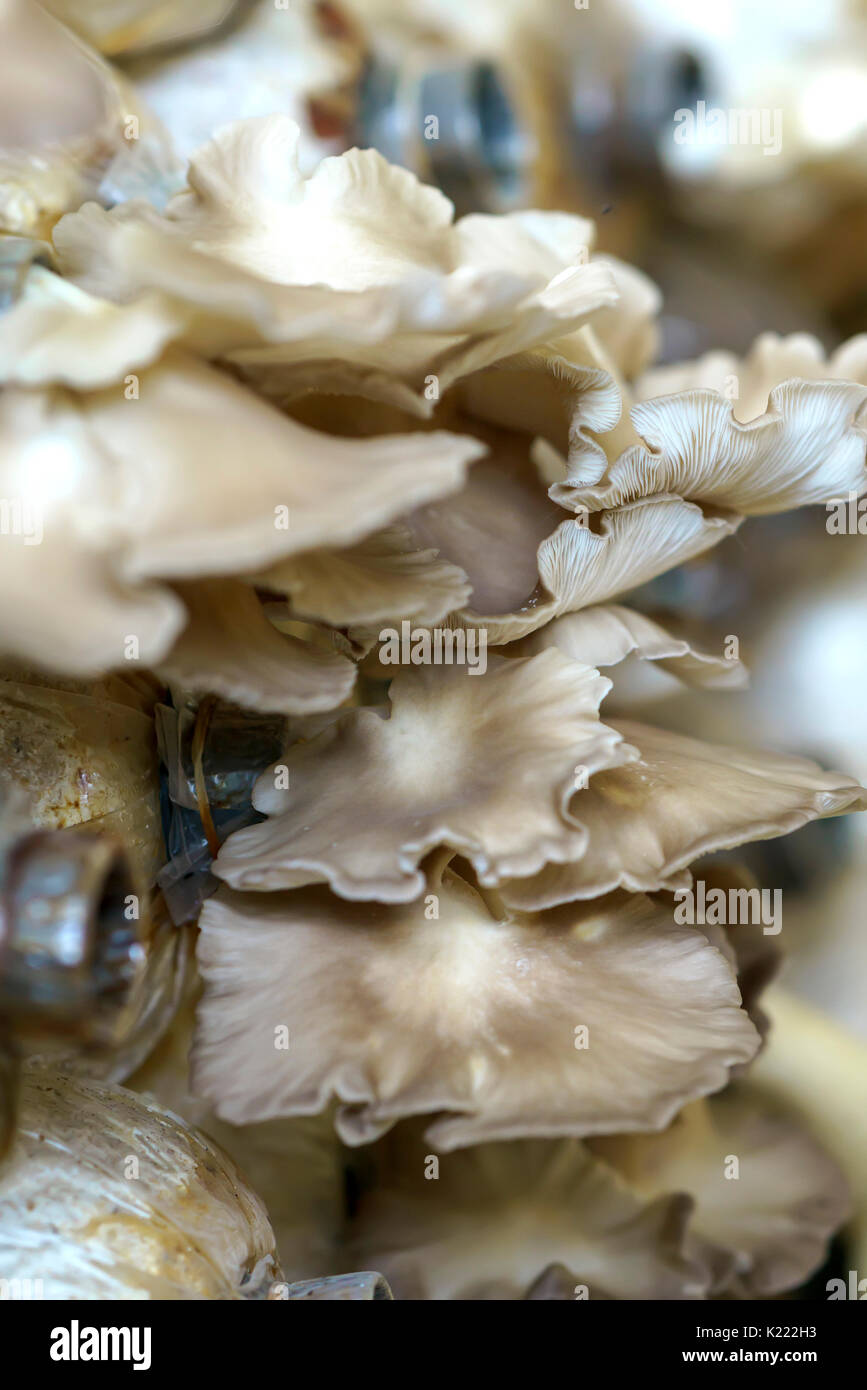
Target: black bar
261	1340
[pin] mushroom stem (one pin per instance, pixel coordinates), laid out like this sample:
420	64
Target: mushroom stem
493	902
624	435
437	864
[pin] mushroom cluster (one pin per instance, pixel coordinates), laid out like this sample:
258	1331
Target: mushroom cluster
312	446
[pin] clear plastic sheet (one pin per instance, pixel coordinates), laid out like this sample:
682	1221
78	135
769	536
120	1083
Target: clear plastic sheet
239	745
107	1195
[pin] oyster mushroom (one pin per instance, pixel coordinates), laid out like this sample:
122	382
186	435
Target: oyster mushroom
647	821
808	446
748	382
591	1018
359	266
609	634
765	1192
816	1069
533	1218
432	774
384	575
441	927
121	495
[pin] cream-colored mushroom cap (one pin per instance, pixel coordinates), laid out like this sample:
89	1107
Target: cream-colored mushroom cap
591	1018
